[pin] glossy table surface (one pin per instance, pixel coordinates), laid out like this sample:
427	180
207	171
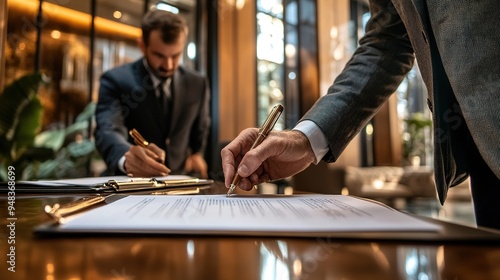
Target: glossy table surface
223	257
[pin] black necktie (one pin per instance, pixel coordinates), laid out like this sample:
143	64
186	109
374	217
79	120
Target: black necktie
165	101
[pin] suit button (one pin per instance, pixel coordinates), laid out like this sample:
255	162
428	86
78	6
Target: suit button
167	141
425	37
429	104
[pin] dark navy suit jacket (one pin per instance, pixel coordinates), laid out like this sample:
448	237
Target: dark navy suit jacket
127	100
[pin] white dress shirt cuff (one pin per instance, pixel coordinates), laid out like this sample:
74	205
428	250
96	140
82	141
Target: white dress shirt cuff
121	164
316	137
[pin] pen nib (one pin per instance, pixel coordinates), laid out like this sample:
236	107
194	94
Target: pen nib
231	189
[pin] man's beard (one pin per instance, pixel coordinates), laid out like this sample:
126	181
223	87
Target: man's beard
163	73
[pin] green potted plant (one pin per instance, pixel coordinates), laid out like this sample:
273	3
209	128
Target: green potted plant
50	154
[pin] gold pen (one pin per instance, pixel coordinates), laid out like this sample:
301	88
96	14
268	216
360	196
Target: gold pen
138	139
268	125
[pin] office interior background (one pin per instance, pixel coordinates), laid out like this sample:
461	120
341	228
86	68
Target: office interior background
255	53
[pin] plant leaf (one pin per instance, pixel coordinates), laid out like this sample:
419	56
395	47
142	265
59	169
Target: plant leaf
82	148
82	120
87	113
19	103
30	121
3	172
76	127
53	139
14	98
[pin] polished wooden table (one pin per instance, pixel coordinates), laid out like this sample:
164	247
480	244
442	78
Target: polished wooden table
224	257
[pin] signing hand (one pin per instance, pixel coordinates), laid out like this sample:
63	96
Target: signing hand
280	155
146	162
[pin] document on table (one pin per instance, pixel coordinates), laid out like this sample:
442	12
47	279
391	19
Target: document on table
214	214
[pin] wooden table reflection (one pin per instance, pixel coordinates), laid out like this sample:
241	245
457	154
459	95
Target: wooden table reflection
204	257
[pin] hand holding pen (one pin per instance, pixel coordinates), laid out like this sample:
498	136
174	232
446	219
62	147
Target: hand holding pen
144	159
281	155
268	125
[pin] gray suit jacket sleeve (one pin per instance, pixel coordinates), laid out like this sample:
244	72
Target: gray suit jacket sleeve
378	66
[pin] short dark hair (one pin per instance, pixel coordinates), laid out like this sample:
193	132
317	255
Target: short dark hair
171	25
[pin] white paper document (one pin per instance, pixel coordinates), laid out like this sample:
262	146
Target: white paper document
218	213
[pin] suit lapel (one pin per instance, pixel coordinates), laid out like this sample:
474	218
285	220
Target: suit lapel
414	15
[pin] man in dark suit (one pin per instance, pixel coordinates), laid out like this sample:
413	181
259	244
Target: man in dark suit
456	44
167	104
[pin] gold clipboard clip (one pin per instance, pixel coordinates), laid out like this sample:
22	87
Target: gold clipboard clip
132	184
152	183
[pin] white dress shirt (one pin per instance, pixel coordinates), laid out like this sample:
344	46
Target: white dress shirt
316	137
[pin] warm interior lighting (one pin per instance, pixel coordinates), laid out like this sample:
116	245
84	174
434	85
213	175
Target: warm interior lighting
55	34
59	14
381	257
334	32
369	129
240	4
297	268
117	14
378	184
290	50
111	27
344	191
50	271
50	268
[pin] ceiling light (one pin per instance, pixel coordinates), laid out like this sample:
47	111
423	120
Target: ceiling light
117	14
167	7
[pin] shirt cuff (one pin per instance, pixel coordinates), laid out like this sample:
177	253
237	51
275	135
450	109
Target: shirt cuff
121	164
316	138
